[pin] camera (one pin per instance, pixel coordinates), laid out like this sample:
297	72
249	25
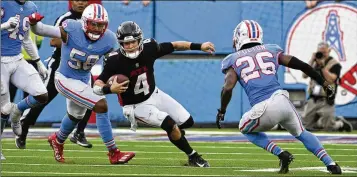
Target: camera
319	55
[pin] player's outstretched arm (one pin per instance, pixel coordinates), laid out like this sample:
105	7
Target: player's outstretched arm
295	63
46	30
184	45
230	81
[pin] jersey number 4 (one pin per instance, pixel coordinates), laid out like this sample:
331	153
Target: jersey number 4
75	63
142	85
25	27
250	71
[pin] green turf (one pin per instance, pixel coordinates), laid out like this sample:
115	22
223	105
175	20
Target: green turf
163	159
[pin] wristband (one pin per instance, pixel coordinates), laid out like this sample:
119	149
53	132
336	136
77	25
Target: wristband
106	89
195	46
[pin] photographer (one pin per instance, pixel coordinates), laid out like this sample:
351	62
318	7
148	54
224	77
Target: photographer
319	112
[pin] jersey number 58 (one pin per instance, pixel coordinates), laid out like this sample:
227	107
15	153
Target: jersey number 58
76	63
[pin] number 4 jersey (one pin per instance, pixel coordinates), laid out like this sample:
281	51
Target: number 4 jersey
80	54
140	71
11	40
256	69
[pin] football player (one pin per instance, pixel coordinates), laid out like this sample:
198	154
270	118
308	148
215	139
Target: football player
29	117
143	101
255	66
14	35
84	43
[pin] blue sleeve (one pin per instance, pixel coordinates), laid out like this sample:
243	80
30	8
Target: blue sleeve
227	63
69	25
275	49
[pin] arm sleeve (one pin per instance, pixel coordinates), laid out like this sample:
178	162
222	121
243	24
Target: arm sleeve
164	49
307	69
30	47
46	30
336	69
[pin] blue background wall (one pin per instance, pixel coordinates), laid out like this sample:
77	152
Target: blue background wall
194	83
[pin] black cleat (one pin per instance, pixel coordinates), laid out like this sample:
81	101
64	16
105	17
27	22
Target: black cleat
334	169
285	159
20	142
80	139
196	160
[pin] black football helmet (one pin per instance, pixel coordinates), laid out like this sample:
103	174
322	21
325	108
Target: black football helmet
130	31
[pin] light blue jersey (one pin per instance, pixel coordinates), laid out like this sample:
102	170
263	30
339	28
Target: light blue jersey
256	69
80	54
11	41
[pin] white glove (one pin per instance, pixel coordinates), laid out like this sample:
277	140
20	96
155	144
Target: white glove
11	24
128	112
42	70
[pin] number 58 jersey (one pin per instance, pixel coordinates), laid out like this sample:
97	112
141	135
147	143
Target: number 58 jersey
80	54
11	40
256	69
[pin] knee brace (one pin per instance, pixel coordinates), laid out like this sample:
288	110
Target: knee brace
6	109
189	123
168	124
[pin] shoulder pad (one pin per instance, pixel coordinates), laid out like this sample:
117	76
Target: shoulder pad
227	62
69	25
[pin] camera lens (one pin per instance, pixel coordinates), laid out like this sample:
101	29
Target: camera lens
319	55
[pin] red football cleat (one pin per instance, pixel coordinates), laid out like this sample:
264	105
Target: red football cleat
117	157
57	148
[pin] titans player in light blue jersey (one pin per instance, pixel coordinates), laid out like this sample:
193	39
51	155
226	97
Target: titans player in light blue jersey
255	66
84	43
14	35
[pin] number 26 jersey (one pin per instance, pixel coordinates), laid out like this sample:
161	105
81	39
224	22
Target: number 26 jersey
256	69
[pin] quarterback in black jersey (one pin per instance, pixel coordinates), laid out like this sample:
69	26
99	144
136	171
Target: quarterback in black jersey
143	101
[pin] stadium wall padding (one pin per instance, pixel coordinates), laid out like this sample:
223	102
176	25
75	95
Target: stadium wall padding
196	84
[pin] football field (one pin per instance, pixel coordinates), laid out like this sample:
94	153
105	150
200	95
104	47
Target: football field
227	152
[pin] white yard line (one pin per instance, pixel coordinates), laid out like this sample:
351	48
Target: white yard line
116	166
161	152
102	174
323	169
189	132
169	159
172	146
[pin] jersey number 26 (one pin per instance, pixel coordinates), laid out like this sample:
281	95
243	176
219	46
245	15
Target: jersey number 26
16	32
250	71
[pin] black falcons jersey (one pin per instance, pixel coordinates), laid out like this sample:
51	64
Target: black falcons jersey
140	71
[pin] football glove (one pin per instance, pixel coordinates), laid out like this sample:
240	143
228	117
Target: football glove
35	17
42	70
220	117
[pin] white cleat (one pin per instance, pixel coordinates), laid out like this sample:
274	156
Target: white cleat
15	116
2	157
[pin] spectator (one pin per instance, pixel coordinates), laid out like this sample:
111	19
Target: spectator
320	112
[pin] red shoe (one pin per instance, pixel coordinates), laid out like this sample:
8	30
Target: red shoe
117	157
57	148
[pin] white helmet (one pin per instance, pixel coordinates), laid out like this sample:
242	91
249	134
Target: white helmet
94	21
247	31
